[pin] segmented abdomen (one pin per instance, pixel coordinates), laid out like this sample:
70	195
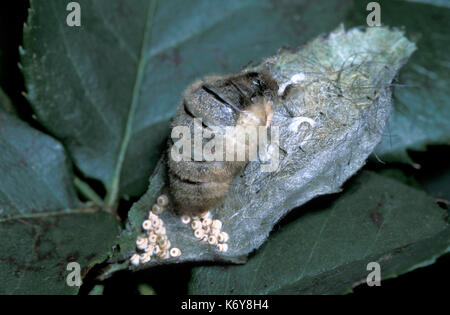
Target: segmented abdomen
197	186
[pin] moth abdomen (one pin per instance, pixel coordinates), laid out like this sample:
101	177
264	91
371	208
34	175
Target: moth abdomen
245	99
194	198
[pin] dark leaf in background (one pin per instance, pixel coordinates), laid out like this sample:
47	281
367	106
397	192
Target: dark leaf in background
326	251
97	290
43	225
35	171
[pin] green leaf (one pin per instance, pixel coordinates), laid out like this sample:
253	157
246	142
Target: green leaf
108	88
326	251
35	173
43	225
145	289
97	290
421	101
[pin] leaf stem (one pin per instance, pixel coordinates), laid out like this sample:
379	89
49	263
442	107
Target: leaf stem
88	192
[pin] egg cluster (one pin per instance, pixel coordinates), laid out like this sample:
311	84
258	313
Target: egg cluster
155	240
208	230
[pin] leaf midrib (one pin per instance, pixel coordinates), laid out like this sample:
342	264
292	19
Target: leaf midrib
86	209
113	187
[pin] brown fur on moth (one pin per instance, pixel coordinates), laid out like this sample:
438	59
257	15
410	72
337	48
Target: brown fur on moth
239	100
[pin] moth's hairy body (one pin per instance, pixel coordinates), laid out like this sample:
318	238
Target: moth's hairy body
244	99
